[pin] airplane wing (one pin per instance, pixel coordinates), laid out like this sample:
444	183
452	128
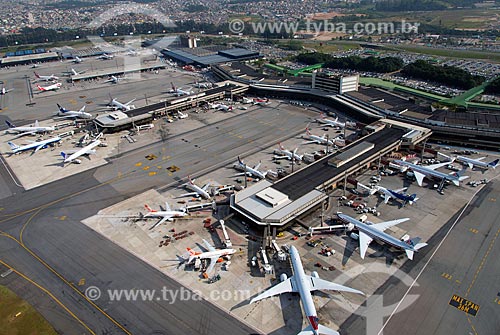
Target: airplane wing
283	287
209	246
167	207
401	190
480	158
321	284
280	157
387	197
384	225
420	177
309	142
207	185
437	166
128	103
190	194
213	261
39	147
364	242
165	218
256	167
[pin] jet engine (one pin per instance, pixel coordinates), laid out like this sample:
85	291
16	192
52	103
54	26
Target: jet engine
283	277
314	274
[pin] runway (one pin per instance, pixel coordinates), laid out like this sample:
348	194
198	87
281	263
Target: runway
66	253
466	266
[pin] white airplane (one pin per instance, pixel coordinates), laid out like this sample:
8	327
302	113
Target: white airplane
474	162
286	154
197	191
35	146
105	56
216	190
247	100
249	171
87	150
369	232
53	87
76	73
430	171
46	78
214	255
317	139
304	285
221	107
165	215
330	123
181	115
4	91
81	114
397	194
77	60
203	85
179	92
114	80
28	130
115	104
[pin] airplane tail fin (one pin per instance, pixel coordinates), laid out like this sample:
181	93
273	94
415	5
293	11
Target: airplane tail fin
12	145
39	88
36	75
419	246
413	198
307	131
321	330
409	254
281	146
494	163
61	109
9	124
149	208
240	161
64	155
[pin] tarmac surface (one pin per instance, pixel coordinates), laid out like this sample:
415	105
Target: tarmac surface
46	243
462	261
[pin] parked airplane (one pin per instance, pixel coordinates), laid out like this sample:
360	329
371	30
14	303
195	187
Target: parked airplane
165	215
221	107
470	162
182	115
370	232
76	73
304	285
197	191
247	100
317	139
214	255
115	104
53	87
330	123
77	60
87	150
286	154
35	146
113	80
27	130
203	85
398	194
105	56
250	171
81	114
261	102
46	78
179	92
5	91
430	171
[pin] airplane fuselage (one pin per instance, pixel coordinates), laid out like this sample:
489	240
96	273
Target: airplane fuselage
376	234
428	172
303	287
201	192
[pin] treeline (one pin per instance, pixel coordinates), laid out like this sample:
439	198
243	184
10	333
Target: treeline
42	35
370	64
423	5
447	75
493	87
